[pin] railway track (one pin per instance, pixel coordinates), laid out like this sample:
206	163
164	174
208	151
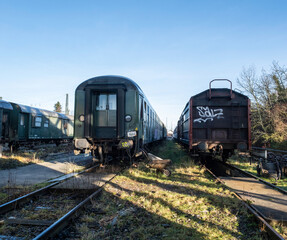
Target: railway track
6	207
236	180
38	213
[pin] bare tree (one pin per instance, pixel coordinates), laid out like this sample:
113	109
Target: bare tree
268	93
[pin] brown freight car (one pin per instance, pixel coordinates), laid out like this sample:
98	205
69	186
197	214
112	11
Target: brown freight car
216	121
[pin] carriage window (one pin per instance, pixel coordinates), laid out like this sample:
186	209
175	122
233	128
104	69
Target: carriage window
112	102
148	114
101	102
65	124
46	123
37	121
186	115
141	109
5	118
22	120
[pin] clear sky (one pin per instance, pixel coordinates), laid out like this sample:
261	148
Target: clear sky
172	49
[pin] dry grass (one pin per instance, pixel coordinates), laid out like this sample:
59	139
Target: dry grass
9	193
141	204
25	157
9	161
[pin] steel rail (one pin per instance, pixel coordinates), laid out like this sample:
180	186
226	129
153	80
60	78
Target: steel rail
253	176
64	221
13	204
272	232
269	149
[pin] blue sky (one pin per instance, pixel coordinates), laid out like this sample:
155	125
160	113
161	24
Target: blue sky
172	49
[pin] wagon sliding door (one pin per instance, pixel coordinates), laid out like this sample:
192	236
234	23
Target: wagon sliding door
105	115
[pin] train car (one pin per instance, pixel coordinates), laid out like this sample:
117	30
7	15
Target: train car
113	117
30	124
216	121
5	108
174	135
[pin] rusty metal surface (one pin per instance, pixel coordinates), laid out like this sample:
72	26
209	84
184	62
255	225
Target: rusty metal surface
271	203
217	116
157	162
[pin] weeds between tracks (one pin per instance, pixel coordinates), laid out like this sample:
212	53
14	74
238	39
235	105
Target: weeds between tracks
143	204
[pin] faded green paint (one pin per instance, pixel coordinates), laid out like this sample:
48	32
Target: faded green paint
79	110
148	125
51	128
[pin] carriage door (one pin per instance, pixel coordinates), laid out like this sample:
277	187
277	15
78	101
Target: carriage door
105	115
23	126
5	126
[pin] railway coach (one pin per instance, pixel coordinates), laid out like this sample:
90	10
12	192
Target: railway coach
216	121
26	125
5	108
113	118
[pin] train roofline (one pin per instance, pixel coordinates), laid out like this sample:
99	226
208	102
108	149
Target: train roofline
5	105
212	89
218	89
40	112
110	78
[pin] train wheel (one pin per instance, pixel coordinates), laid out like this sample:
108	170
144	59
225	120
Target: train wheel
166	172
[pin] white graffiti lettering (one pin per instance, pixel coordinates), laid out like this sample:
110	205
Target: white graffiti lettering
206	114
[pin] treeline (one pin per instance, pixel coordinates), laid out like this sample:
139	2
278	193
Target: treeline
268	94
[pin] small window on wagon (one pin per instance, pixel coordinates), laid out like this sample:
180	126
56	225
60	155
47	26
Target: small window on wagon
37	121
46	123
65	124
141	109
22	119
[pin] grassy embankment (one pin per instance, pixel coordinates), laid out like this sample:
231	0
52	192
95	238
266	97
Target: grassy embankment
244	164
141	204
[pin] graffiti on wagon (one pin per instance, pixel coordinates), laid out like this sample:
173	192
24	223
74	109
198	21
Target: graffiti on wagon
206	114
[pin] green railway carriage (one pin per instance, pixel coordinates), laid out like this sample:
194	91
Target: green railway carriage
5	108
113	115
29	124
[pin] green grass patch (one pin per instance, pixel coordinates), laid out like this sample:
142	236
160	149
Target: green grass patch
7	194
144	204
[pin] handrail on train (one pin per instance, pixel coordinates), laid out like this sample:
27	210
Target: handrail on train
217	80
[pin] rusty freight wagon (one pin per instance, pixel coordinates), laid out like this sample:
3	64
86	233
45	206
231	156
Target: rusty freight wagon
216	121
